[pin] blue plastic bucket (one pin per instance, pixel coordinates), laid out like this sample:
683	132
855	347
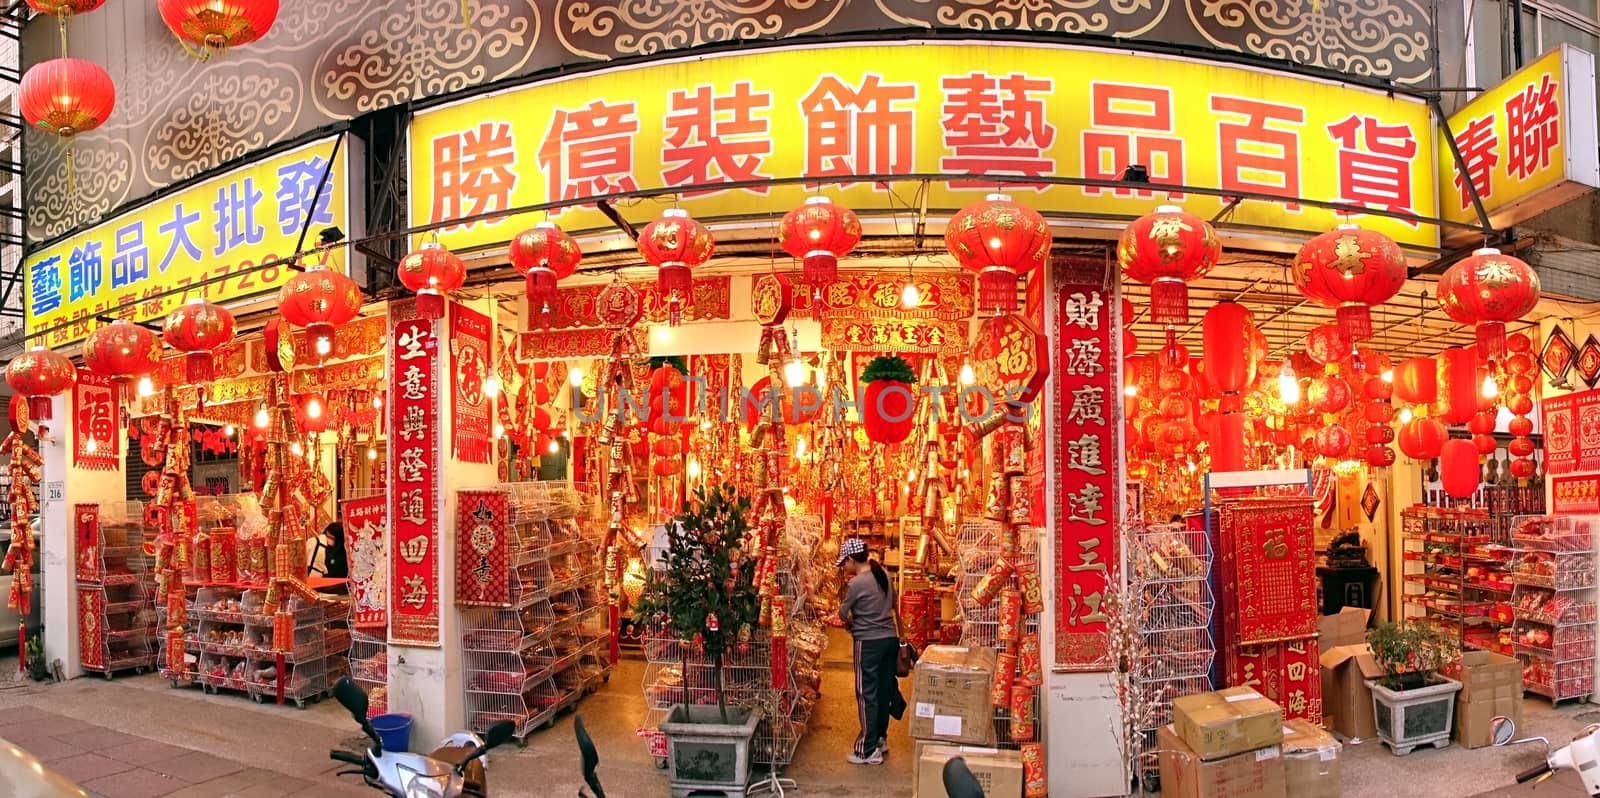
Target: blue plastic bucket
394	730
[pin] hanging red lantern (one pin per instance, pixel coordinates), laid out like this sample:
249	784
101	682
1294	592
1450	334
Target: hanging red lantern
1328	344
1482	423
1522	467
1416	381
66	96
544	255
1377	390
1352	270
818	234
431	271
40	374
999	240
124	352
1489	289
198	328
1458	468
1519	343
1520	447
1485	444
218	24
1421	438
1378	412
1330	394
1458	386
1520	405
1380	433
319	299
1225	329
311	413
675	244
1227	442
667	467
1333	441
1380	456
65	8
1166	249
1520	426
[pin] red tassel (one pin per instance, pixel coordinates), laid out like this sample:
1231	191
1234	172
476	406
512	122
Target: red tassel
430	304
780	663
819	268
1491	340
199	368
1355	321
1169	301
997	290
39	408
670	279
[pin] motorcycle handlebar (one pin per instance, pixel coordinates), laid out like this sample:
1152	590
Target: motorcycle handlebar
348	758
1533	773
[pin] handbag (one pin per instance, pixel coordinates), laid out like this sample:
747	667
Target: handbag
905	660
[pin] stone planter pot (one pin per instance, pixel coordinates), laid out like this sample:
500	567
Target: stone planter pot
1420	716
703	753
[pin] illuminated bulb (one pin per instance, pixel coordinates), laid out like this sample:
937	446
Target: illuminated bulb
694	469
794	372
788	504
146	387
994	243
263	420
705	424
1131	390
799	447
910	296
372	454
1405	415
966	472
1192	467
377	402
966	376
575	377
822	378
912	475
229	430
555	448
324	346
1387	376
313	408
296	449
491	385
499	430
93	446
1490	389
1288	385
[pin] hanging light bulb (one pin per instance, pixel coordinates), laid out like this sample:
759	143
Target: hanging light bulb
799	447
1192	467
377	401
263	419
372	453
1288	385
229	430
499	430
910	296
966	377
1489	388
324	345
1387	376
911	476
794	372
491	385
93	445
1405	415
575	377
555	447
296	449
147	387
314	407
694	469
1131	390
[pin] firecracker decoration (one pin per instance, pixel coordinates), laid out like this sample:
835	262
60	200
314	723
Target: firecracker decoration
620	306
675	244
173	525
287	501
769	446
26	468
1351	270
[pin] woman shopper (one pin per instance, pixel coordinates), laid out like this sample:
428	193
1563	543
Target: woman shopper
868	608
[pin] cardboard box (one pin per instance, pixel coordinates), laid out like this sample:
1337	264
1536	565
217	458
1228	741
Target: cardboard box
1347	664
1253	774
950	695
1488	676
1310	761
999	772
1227	722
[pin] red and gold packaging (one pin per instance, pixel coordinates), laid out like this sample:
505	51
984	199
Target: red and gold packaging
1013	455
998	506
1033	780
1010	630
1030	662
1005	670
1021	712
992	582
1020	506
222	558
1032	592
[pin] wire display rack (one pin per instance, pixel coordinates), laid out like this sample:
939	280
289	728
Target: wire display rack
116	590
979	545
1172	569
369	668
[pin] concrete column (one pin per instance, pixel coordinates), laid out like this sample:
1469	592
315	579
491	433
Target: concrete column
64	485
429	683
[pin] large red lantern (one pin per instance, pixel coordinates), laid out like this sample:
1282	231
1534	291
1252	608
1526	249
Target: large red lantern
1458	386
124	352
1379	456
431	271
544	255
1416	381
1458	468
1422	437
65	8
40	374
1333	441
674	244
198	328
1352	270
217	24
319	299
1166	249
1522	467
1226	330
818	234
998	240
1489	289
66	96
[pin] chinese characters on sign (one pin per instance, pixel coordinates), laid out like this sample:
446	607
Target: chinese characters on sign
365	529
1087	465
471	409
97	438
413	478
1288	673
1571	433
483	556
202	241
1575	494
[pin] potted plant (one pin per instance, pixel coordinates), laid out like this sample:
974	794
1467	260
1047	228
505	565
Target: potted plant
707	598
1412	704
887	403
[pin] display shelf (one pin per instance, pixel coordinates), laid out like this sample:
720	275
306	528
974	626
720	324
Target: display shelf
1554	603
979	545
232	645
1457	572
115	588
1172	565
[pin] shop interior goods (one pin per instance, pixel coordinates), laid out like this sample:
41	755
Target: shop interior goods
235	645
1554	603
1458	574
1010	631
369	668
116	587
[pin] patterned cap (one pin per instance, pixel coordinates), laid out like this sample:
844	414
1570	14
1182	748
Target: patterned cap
849	549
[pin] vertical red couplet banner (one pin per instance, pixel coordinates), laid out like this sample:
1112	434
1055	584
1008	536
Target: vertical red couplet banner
86	529
1087	464
366	524
471	410
413	478
483	556
96	442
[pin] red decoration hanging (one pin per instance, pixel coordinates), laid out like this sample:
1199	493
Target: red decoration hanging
124	352
1489	289
1520	426
1458	468
818	234
1422	437
1327	344
431	271
1226	330
1520	447
1458	386
1352	270
217	24
319	299
675	244
1485	444
1380	433
1330	394
65	8
999	240
886	411
66	96
1416	381
1333	441
1522	467
1166	249
40	374
198	328
1379	456
544	255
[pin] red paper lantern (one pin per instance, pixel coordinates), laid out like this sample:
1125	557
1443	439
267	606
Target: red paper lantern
1225	329
667	467
319	299
1458	468
1380	433
1416	381
216	24
1166	249
1380	456
1519	342
1377	412
1522	467
544	255
674	244
1227	442
124	352
1377	390
887	411
198	328
1333	441
311	413
818	234
1328	344
1352	270
1330	394
1422	437
40	374
1458	385
999	240
1520	426
1485	444
1520	405
66	96
1489	289
65	8
1520	447
431	271
1482	423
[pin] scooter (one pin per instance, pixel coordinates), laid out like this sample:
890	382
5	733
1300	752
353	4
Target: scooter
454	769
959	781
1582	755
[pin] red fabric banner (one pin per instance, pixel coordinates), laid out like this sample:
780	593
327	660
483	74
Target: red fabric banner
483	548
86	529
1571	432
1268	553
413	477
91	634
1289	673
96	441
1086	457
471	410
1575	494
365	528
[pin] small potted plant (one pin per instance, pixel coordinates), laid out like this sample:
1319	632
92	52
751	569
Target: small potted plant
887	401
1412	704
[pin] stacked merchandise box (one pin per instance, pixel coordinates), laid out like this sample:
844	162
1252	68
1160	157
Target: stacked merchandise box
1226	744
1346	666
116	588
232	644
1491	686
1555	603
1311	761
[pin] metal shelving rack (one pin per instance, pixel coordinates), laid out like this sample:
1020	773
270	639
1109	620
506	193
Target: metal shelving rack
1440	545
116	602
1173	567
979	544
369	667
1555	604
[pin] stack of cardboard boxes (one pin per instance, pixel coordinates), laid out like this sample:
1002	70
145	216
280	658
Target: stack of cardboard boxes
951	716
1491	684
1234	743
1347	664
